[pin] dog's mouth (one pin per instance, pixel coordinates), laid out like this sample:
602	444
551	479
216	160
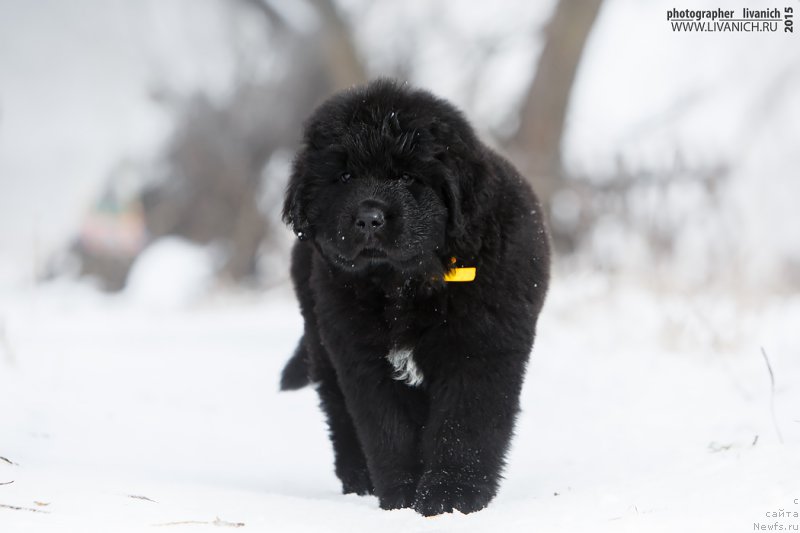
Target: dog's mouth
367	254
373	253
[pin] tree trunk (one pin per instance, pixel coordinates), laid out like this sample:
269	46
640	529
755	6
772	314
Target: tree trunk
537	143
341	57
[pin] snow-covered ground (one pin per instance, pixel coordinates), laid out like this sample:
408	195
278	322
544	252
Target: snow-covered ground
642	412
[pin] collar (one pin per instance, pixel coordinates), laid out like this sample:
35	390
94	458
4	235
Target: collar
459	274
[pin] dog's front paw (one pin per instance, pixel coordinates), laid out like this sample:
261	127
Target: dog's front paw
356	481
437	496
398	497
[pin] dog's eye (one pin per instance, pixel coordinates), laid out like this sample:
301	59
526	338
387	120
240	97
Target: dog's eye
345	177
406	178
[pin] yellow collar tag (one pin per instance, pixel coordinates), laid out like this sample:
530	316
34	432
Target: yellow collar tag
460	274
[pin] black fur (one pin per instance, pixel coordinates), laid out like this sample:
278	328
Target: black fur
295	373
400	160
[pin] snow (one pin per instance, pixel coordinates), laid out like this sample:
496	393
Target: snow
642	411
171	272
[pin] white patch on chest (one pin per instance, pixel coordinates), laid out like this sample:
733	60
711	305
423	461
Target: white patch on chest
405	368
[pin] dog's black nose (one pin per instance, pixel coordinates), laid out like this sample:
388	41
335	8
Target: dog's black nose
370	219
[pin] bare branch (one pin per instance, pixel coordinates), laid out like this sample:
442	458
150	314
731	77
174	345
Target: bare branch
137	497
268	11
216	522
17	508
772	395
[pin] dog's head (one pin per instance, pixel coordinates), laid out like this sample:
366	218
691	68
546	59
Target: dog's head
384	177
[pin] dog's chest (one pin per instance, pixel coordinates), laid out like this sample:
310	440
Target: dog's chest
405	367
407	312
406	322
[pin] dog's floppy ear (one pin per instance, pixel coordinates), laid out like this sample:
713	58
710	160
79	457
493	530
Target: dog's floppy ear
294	202
455	147
450	149
453	200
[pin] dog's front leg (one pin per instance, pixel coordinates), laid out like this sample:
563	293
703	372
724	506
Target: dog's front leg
390	438
474	404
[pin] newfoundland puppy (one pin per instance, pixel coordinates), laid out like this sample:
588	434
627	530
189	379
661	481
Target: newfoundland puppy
421	268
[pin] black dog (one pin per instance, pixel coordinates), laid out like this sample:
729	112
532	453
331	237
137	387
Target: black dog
422	268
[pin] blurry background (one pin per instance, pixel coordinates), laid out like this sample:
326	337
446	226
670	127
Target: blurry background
145	307
659	154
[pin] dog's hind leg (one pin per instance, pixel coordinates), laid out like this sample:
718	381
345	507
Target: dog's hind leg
350	464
